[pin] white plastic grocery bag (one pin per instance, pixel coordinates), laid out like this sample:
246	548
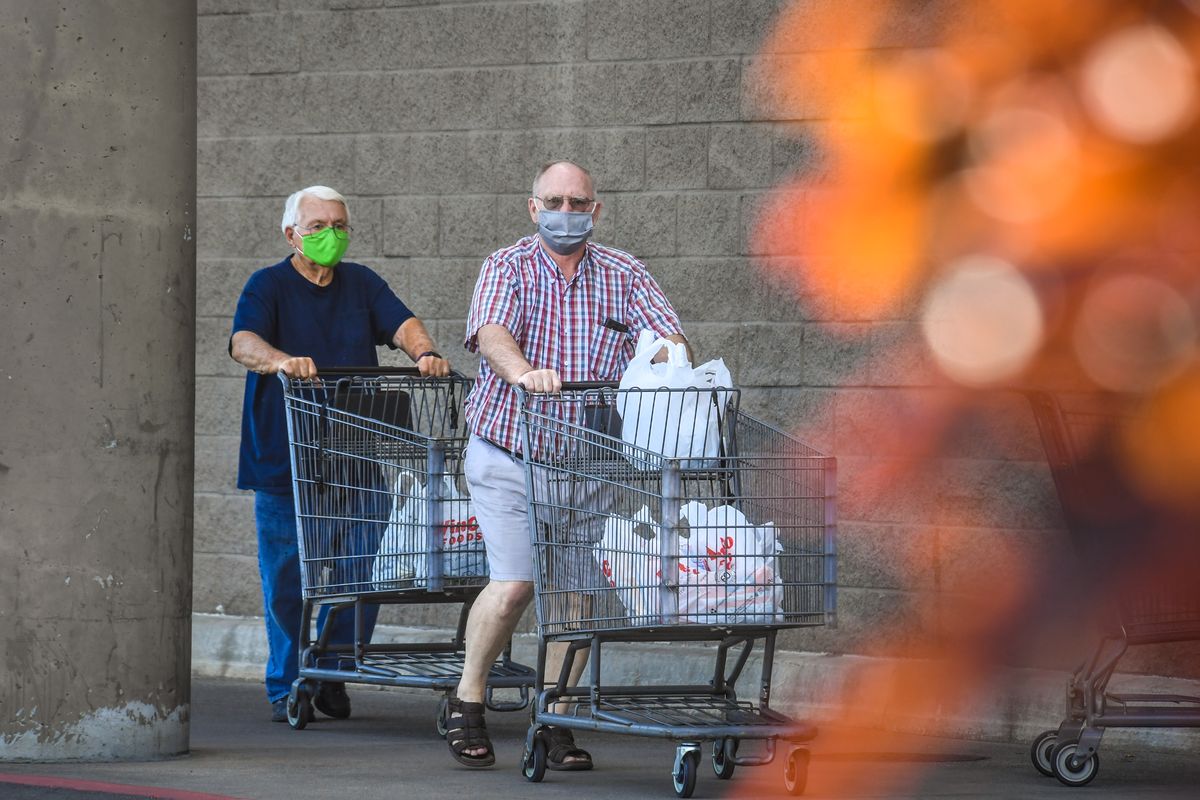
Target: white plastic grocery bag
628	558
403	552
685	425
727	568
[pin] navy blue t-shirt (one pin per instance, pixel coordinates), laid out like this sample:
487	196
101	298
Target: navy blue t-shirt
338	325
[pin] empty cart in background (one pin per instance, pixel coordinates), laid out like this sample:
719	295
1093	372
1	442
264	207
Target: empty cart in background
1140	564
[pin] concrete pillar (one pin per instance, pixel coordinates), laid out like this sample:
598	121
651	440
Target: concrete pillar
97	332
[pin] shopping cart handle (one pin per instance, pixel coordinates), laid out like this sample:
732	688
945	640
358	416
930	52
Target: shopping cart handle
578	385
567	386
327	372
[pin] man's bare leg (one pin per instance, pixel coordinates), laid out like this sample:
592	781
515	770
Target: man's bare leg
579	606
490	625
556	653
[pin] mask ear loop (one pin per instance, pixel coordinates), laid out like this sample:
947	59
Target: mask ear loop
291	242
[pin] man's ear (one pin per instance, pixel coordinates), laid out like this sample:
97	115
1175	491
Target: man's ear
596	212
532	209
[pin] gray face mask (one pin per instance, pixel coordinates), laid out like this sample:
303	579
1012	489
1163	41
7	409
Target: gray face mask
564	232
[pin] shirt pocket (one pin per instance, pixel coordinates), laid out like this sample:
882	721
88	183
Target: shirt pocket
609	353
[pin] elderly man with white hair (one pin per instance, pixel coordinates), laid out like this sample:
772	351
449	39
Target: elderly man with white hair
309	312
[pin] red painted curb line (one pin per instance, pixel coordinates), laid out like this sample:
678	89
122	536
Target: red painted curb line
109	788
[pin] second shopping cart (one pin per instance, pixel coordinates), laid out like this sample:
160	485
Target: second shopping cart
383	517
671	516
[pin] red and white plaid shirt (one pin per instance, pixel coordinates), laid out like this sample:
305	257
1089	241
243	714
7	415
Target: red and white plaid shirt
558	324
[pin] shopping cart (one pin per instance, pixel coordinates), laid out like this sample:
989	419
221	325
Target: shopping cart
671	516
1140	565
383	518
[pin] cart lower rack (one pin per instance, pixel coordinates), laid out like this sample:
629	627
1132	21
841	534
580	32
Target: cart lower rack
672	516
384	518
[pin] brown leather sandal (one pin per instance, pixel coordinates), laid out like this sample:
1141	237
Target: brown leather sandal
561	747
467	730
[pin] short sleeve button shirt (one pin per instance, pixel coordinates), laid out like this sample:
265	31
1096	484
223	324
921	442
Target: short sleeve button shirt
558	323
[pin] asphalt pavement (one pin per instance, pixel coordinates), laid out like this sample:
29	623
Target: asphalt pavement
390	750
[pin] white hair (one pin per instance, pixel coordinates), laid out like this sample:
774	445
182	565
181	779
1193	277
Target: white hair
291	209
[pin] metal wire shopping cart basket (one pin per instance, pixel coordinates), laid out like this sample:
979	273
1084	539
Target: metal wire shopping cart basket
1140	576
383	517
670	515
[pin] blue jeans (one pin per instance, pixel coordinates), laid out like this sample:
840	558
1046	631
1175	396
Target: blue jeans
279	567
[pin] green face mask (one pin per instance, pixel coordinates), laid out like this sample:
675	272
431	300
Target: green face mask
326	247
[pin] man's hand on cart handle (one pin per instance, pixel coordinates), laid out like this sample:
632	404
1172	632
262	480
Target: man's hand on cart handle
541	381
297	367
433	365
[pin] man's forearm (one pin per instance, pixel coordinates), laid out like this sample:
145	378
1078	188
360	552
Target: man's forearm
252	352
503	355
413	338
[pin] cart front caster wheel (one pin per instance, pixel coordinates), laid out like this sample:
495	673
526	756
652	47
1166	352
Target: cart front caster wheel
724	751
1041	752
795	771
299	707
683	778
1075	770
443	717
533	765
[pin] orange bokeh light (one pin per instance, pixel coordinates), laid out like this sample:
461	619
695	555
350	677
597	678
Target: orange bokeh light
1031	134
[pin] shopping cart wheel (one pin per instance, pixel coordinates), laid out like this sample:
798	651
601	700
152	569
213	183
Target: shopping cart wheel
1041	752
795	771
724	751
687	764
533	762
299	706
1075	770
443	716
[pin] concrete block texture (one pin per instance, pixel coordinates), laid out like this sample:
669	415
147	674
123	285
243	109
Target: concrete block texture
739	156
212	348
676	157
622	30
227	583
216	464
440	288
228	524
705	128
219	405
248	44
643	224
466	225
706	224
420	37
741	26
410	226
275	165
219	282
204	7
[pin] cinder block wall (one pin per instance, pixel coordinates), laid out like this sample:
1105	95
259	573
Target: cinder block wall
431	116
